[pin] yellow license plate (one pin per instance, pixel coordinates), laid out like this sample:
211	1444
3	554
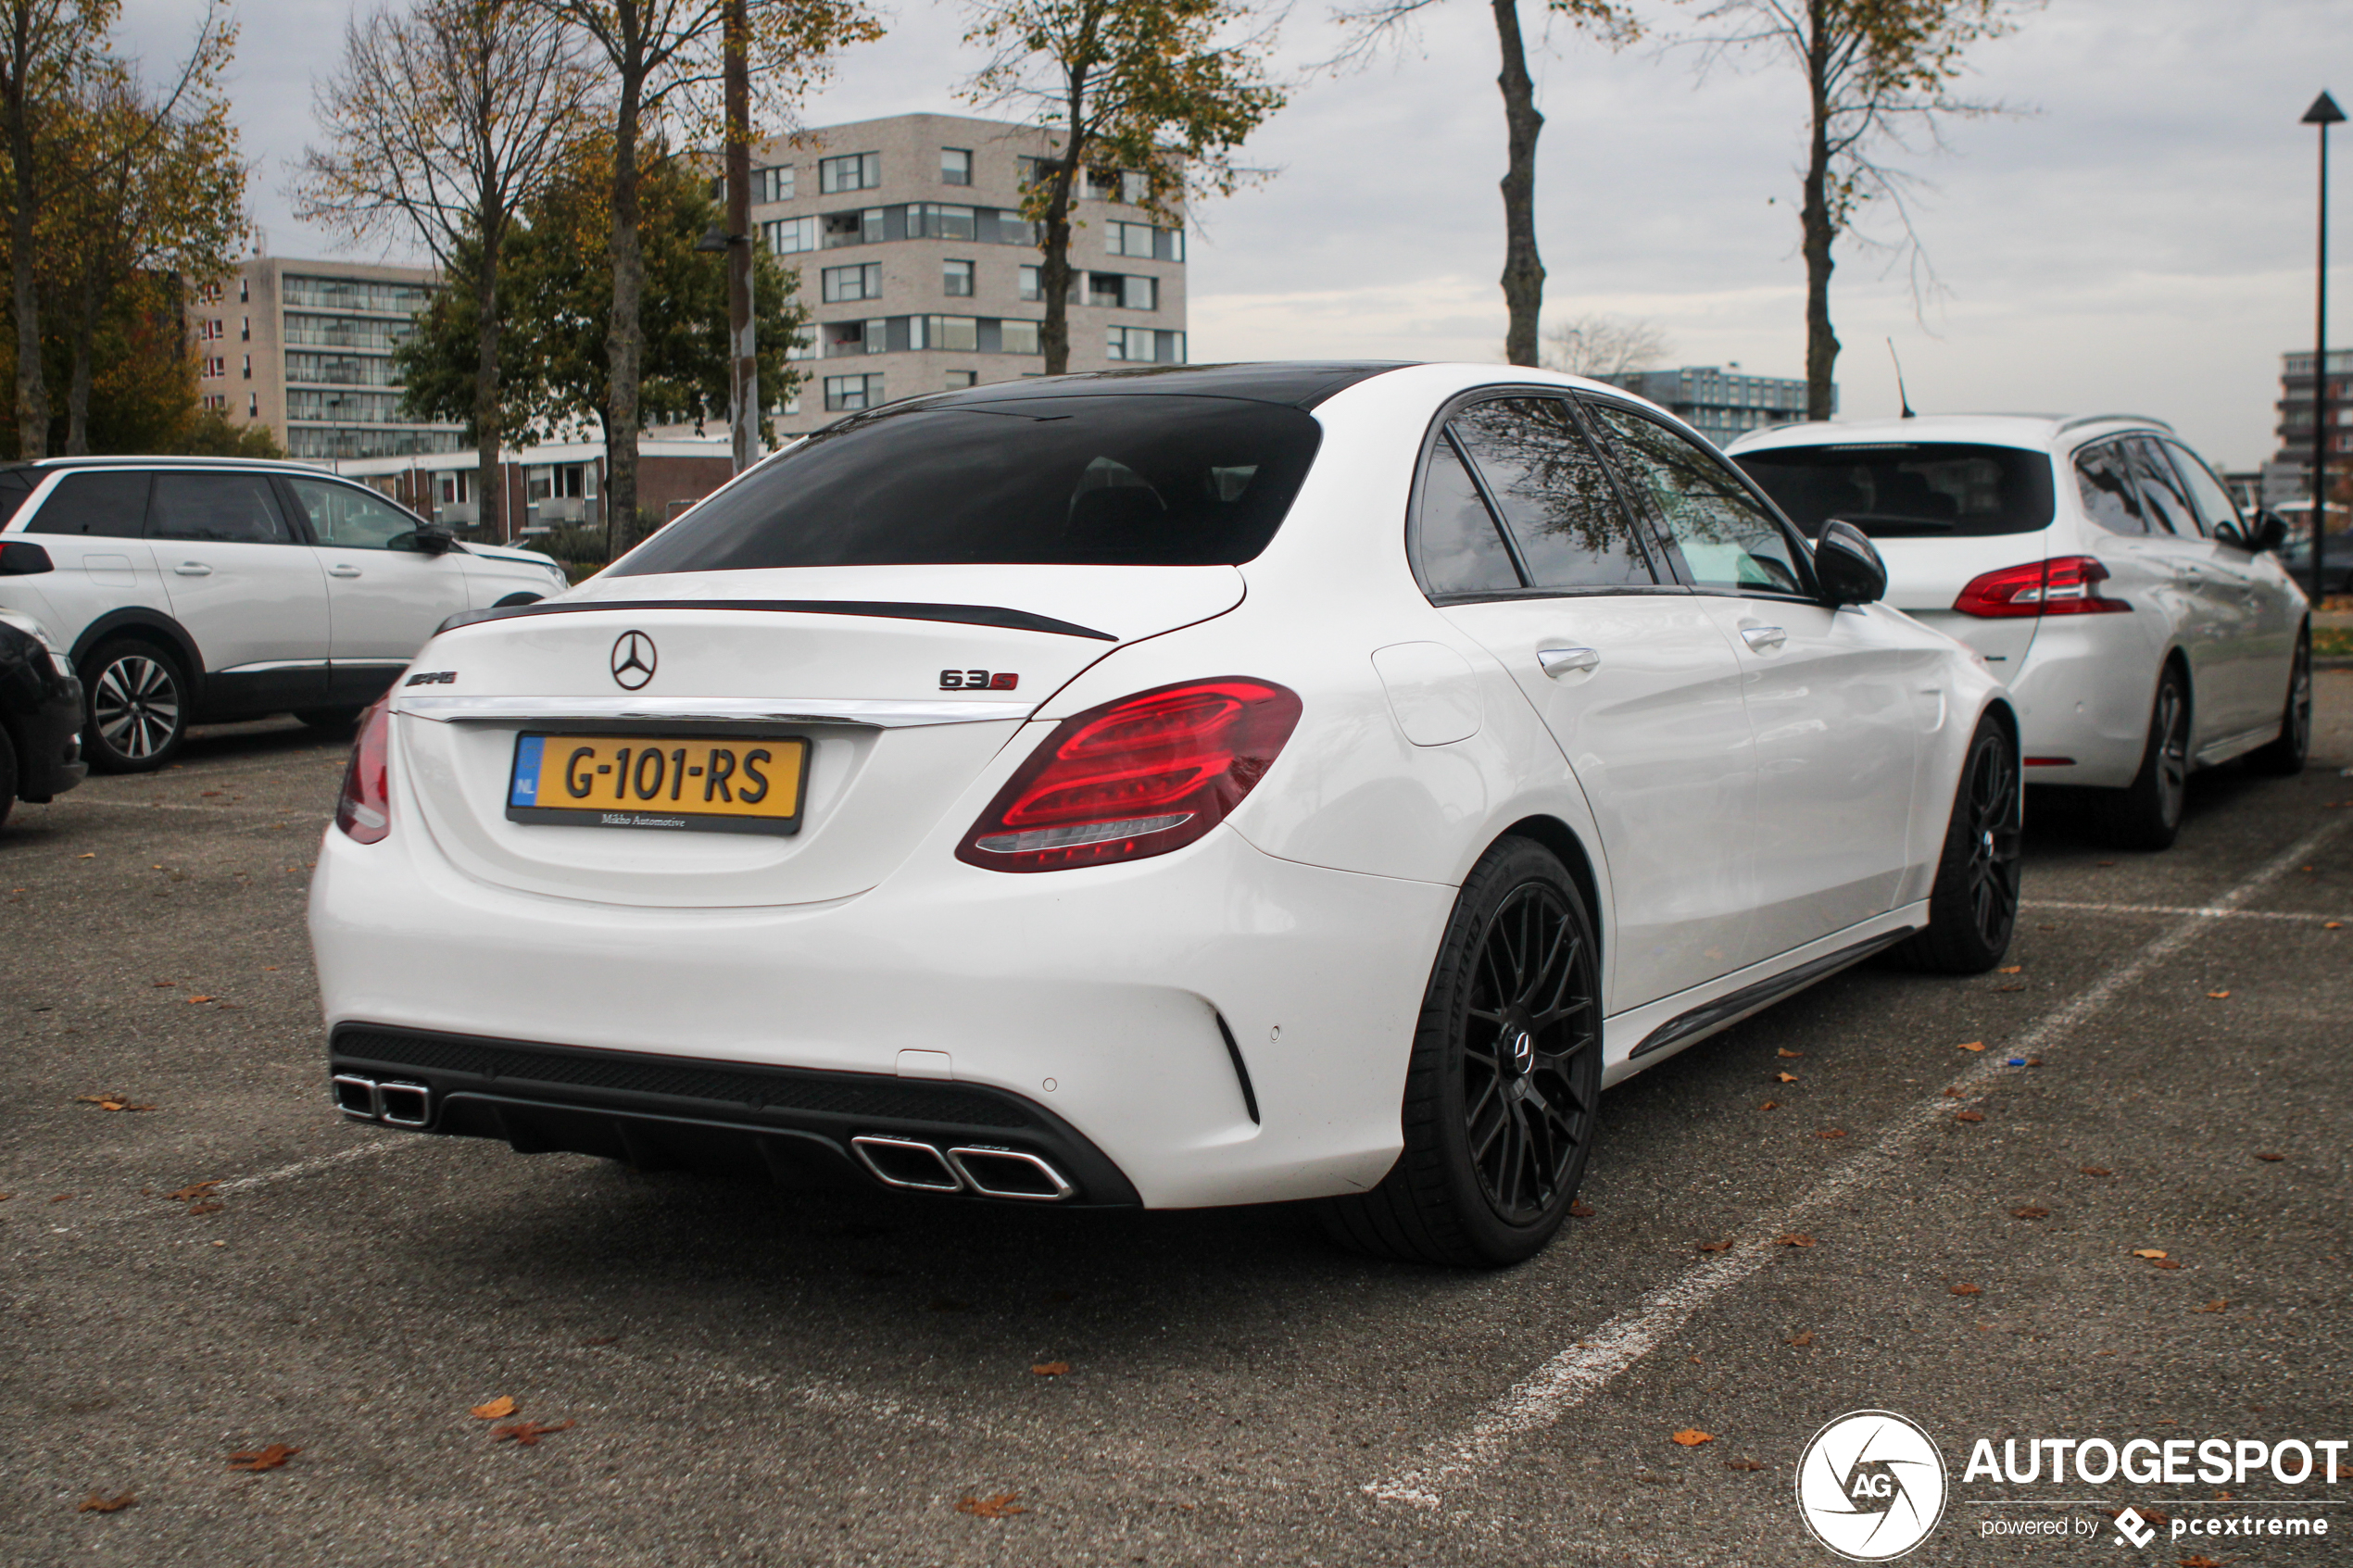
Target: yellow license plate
731	784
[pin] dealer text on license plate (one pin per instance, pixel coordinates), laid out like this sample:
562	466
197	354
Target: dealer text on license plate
731	784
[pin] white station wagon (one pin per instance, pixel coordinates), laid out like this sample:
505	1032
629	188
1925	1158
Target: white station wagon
1207	785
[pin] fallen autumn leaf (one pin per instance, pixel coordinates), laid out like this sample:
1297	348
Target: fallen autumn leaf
504	1405
1785	1077
1770	1105
269	1457
526	1432
1000	1506
1795	1239
2149	1252
1784	1051
1715	1247
205	1208
1971	1045
2272	1158
1692	1437
2217	995
2096	1170
2030	1212
1050	1369
2213	1307
2011	969
1804	1339
1579	1210
1968	1116
1743	1464
1966	1288
94	1503
190	1192
1831	1133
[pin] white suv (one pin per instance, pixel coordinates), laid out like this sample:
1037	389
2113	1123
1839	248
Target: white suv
200	590
2143	624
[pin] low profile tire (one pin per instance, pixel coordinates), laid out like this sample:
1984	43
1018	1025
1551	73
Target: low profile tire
134	707
2147	813
329	721
8	776
1505	1079
2283	757
1972	909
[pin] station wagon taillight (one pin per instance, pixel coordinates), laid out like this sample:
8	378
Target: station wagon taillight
365	809
1137	777
2062	585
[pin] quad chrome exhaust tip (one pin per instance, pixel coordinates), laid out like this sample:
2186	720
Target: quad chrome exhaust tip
390	1101
915	1166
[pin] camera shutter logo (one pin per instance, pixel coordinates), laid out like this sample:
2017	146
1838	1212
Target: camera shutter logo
633	660
1871	1485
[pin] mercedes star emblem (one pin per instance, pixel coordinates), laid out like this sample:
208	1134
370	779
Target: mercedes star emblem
633	660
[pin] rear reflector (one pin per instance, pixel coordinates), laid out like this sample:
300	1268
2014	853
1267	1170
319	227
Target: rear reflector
2062	585
2050	761
1137	777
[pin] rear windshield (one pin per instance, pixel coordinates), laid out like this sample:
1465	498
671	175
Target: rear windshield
1112	481
1907	489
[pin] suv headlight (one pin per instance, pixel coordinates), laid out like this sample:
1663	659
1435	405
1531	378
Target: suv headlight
40	633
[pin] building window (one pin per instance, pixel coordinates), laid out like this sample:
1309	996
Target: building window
245	288
798	347
857	171
956	279
208	295
1036	171
1144	241
253	405
788	237
955	165
848	394
1018	337
958	379
245	329
773	184
216	400
852	282
455	489
790	406
1144	346
1030	286
953	334
215	367
248	367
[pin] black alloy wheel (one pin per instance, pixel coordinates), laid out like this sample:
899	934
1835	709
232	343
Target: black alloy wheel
2146	814
135	707
1973	908
1530	1023
1505	1079
2283	757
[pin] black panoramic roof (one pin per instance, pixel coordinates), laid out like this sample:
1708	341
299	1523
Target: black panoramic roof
1298	384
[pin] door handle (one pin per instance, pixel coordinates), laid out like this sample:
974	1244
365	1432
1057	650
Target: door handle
1557	662
1762	637
342	569
192	569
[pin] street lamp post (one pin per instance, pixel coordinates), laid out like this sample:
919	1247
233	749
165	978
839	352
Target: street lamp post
2321	116
743	361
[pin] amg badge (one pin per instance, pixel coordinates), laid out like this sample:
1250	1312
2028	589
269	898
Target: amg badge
978	681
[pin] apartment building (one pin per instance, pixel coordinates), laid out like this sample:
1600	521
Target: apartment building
1720	404
304	348
922	275
2288	476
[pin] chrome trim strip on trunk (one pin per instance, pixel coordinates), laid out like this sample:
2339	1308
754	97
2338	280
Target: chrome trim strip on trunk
873	712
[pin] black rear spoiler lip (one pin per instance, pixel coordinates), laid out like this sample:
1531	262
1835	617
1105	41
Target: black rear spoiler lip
967	615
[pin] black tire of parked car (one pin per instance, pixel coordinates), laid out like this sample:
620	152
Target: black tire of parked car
329	721
1501	1089
1972	906
135	705
2283	757
7	775
2147	813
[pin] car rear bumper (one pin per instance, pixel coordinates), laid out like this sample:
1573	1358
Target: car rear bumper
2083	692
45	717
1216	1026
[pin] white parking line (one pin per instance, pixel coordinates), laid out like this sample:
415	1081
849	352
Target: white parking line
1567	1380
165	1208
2176	909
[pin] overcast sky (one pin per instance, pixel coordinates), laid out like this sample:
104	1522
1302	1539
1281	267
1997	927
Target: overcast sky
2139	238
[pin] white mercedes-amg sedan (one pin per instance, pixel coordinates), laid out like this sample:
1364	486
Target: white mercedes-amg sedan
1205	785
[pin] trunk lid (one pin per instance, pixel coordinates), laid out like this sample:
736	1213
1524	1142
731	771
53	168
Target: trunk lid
1925	575
859	661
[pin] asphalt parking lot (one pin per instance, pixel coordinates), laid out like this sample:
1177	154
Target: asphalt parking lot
733	1374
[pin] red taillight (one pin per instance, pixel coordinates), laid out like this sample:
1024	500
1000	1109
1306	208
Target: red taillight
2062	585
1140	776
365	811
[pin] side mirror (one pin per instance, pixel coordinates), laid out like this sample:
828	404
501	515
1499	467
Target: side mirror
436	540
1847	566
2270	531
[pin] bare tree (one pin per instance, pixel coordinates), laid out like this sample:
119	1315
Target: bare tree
442	122
1604	346
663	60
1165	91
50	51
1388	22
1877	73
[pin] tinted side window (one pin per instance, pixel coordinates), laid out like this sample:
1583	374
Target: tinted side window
1725	538
2107	489
227	508
1455	534
1555	497
353	518
15	483
2168	509
103	501
1123	479
2207	494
